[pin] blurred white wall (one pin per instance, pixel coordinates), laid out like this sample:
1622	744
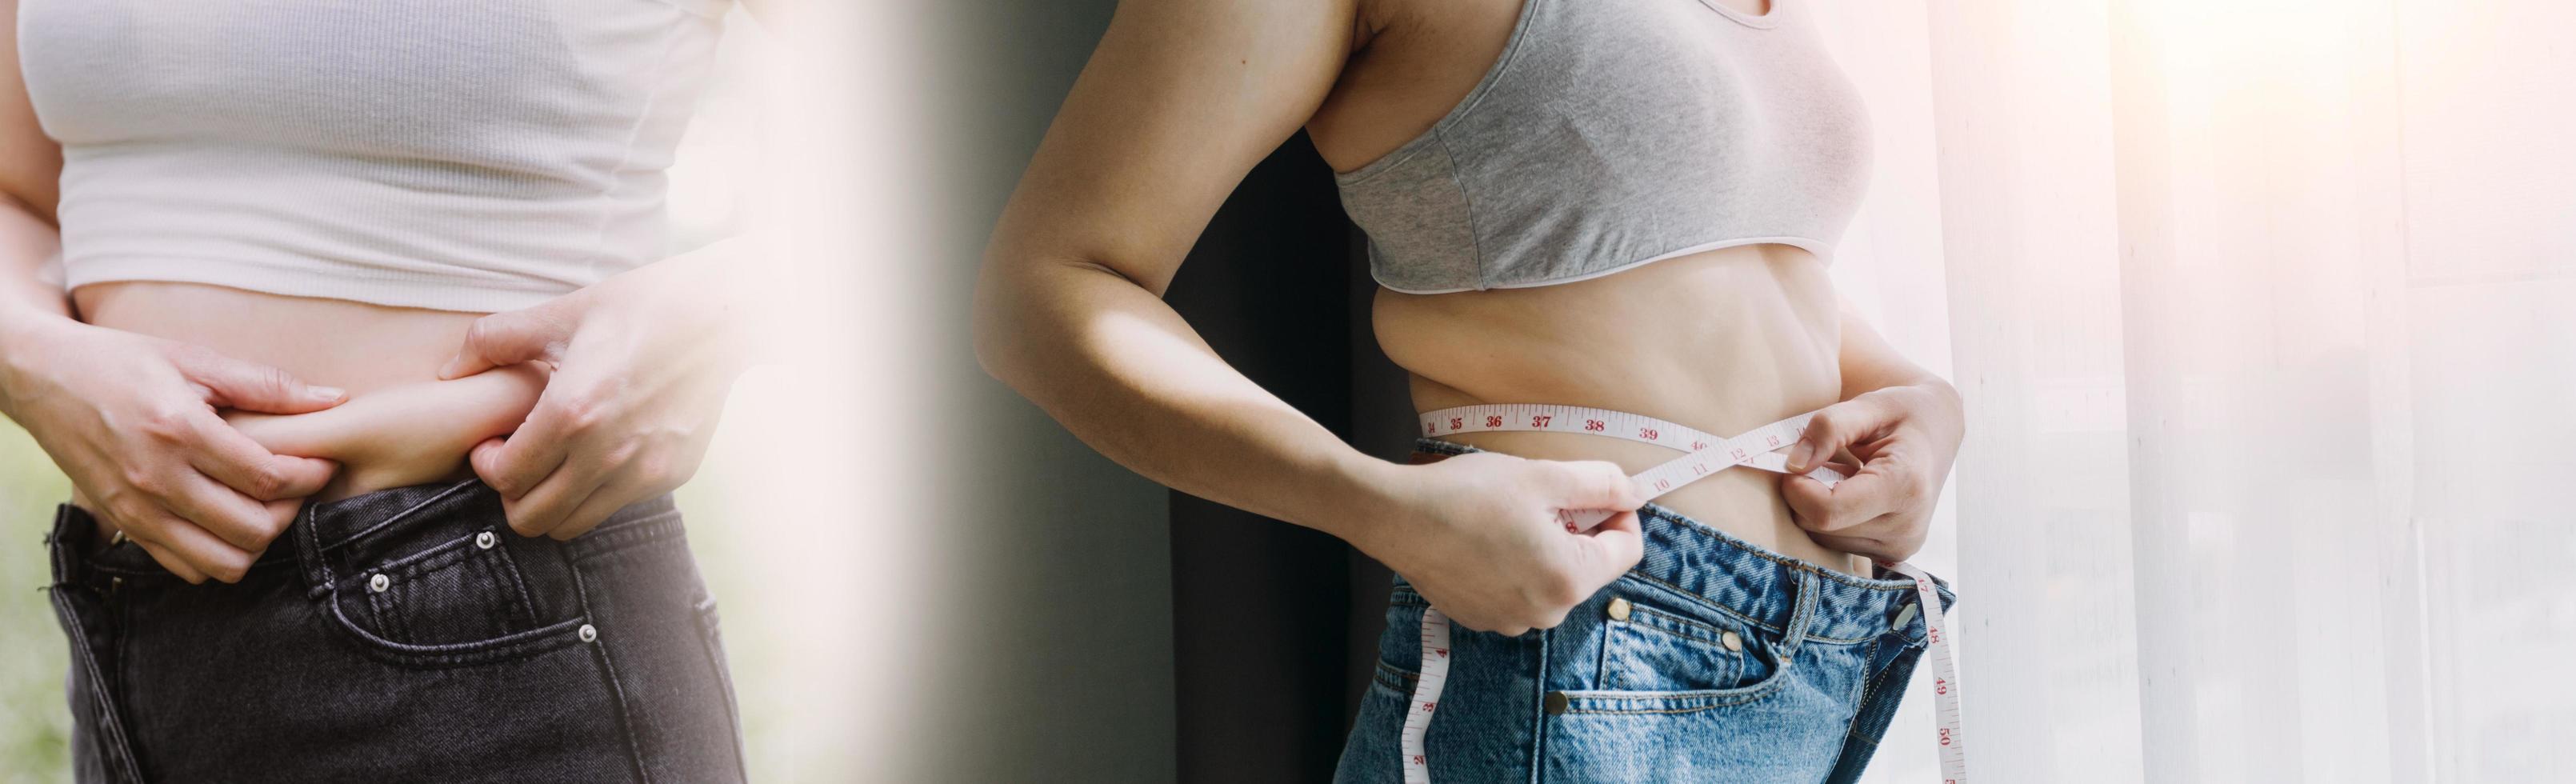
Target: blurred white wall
2263	314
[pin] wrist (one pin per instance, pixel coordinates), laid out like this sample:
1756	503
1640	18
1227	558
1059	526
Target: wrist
23	332
1359	512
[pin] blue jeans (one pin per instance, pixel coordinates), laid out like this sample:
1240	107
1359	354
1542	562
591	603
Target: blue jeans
1712	660
402	635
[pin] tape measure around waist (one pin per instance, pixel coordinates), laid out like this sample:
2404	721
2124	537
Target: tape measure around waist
1703	455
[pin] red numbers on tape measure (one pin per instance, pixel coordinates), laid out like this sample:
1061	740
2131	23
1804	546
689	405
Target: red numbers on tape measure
1945	736
1457	423
1539	420
1940	686
1739	454
1595	425
1650	434
1493	420
1663	485
1773	440
1698	445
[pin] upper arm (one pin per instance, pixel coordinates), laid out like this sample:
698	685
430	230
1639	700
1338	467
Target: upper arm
1179	101
31	165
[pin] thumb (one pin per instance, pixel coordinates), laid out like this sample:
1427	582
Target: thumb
1838	426
1612	549
509	338
250	386
1596	484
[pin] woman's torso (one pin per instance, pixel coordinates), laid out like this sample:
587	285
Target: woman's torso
355	346
1722	340
387	358
339	191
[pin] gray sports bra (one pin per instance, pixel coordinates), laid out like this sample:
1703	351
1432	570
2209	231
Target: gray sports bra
1615	133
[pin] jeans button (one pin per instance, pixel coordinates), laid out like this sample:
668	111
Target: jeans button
1734	643
378	583
485	540
1555	703
1904	616
1619	609
589	632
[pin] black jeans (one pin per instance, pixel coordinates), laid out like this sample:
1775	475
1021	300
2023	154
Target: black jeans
402	635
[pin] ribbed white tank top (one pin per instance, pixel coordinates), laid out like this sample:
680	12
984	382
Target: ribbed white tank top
472	155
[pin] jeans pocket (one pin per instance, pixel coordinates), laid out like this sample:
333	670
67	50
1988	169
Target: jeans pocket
461	601
1663	650
461	591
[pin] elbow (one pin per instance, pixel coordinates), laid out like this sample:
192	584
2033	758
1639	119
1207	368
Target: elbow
993	329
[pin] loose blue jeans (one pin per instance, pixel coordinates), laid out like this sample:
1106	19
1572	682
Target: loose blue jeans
1712	660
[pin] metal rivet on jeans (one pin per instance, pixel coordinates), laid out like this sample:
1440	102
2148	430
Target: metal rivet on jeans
1904	616
1731	640
1619	609
589	632
379	583
485	540
1555	703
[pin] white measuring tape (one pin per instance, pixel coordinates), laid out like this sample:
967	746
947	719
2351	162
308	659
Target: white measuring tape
1704	455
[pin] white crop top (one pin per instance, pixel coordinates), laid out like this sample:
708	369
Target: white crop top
473	156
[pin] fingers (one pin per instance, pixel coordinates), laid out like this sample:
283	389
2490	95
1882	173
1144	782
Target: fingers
595	510
1862	498
1595	484
511	337
1611	549
250	386
189	551
172	561
516	463
239	463
546	507
231	517
1836	428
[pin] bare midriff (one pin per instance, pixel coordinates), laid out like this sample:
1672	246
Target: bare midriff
1723	341
400	424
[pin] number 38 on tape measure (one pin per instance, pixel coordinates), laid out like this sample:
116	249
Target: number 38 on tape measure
1703	455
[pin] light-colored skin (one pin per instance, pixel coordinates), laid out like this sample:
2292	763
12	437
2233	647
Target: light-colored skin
401	435
1182	97
127	393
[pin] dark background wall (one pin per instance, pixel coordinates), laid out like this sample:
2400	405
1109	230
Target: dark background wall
1271	621
1124	632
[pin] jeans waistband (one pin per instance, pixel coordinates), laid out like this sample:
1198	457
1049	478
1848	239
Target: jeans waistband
1693	559
328	537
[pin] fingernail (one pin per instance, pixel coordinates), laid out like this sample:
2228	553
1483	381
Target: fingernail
326	393
448	370
1798	456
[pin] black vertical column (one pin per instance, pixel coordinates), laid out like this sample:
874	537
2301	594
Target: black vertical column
1262	610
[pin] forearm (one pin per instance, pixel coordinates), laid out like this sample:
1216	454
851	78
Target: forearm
27	243
1128	376
29	303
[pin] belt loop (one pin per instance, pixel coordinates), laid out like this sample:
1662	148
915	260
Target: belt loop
1804	614
309	559
68	548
